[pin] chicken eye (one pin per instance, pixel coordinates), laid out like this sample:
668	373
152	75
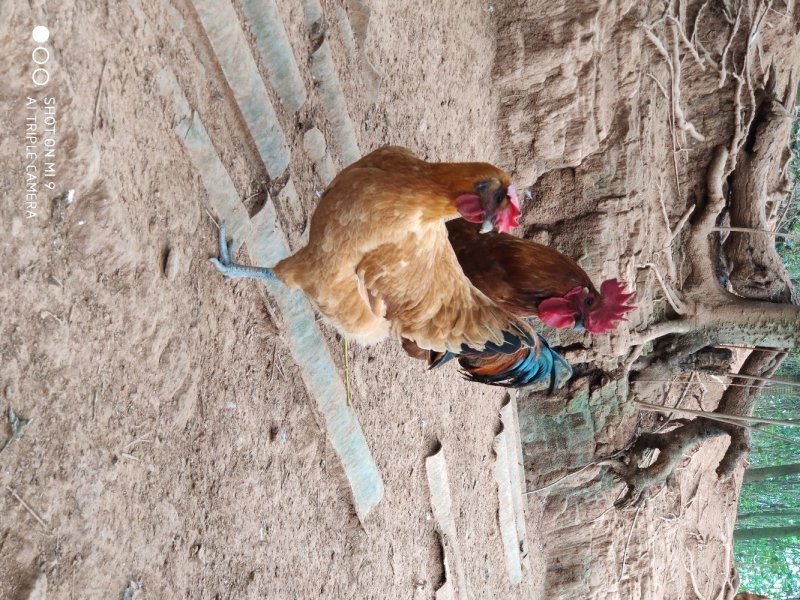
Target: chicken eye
589	301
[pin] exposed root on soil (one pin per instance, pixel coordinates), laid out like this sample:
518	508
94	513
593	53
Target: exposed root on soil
670	295
730	418
672	447
673	60
627	543
705	320
690	570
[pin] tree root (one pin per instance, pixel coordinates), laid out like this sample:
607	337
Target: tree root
672	446
740	401
708	314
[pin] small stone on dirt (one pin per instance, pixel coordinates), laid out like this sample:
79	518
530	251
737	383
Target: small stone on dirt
171	264
278	435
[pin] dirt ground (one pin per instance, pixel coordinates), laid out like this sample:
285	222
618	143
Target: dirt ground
151	455
173	450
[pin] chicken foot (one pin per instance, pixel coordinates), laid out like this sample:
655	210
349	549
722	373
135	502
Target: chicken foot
230	269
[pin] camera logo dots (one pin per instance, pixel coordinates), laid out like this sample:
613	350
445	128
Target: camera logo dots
40	55
40	34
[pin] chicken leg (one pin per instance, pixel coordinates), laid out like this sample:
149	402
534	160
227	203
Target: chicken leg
230	269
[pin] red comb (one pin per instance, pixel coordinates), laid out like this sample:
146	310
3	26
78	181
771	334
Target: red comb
612	307
508	218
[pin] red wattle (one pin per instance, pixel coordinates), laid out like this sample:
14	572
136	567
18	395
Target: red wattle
469	207
557	312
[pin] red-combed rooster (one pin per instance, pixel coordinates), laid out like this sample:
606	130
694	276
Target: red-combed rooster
527	279
378	262
530	279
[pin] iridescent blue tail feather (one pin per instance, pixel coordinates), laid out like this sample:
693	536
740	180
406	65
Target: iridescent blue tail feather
523	367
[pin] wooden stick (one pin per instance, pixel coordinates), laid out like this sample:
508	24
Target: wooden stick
768	379
140	440
759	428
27	506
694	382
701	413
789	236
99	93
272	364
789	201
558	480
679	402
210	216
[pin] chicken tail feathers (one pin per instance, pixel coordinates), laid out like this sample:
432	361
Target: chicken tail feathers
559	362
523	367
519	337
436	359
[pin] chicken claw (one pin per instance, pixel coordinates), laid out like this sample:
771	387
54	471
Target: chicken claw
230	269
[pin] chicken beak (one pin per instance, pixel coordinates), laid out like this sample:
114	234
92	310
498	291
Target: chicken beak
487	192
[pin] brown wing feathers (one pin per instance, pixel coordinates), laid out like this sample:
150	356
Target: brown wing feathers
430	301
516	273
